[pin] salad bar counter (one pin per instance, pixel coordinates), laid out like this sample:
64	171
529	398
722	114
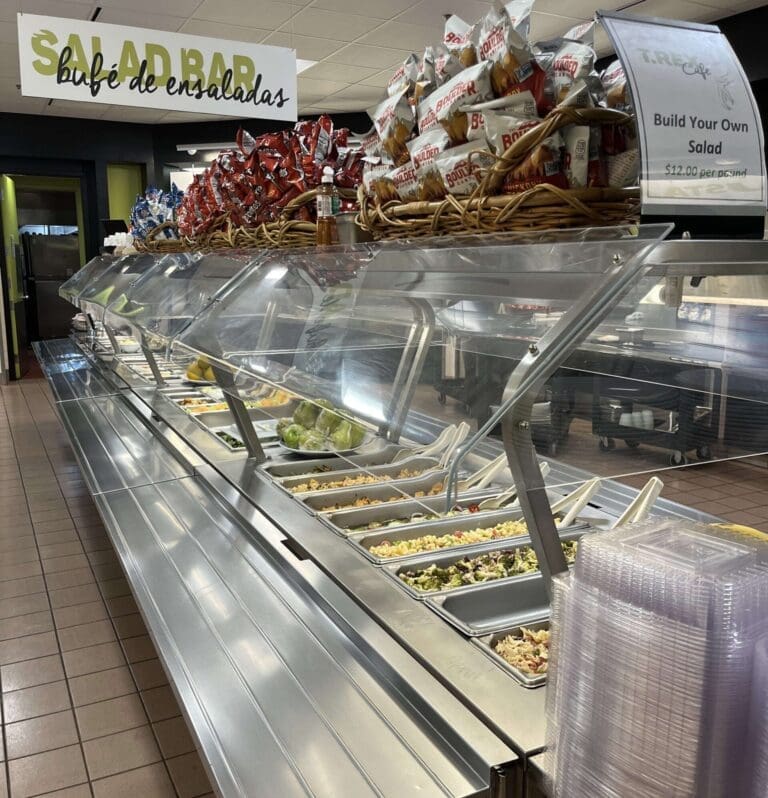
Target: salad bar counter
340	573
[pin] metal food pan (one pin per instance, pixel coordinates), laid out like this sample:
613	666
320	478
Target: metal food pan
382	492
487	609
447	557
486	644
308	468
347	521
365	540
230	430
390	470
218	418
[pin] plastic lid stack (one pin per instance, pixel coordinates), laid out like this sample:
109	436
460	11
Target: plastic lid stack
652	649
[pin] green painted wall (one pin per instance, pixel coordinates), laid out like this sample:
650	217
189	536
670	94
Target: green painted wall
10	239
124	182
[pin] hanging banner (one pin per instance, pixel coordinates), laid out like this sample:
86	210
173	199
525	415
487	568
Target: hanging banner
701	138
93	62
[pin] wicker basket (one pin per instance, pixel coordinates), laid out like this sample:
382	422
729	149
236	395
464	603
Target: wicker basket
154	242
286	233
543	207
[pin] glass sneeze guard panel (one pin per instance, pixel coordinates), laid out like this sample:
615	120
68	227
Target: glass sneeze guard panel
163	300
114	280
83	277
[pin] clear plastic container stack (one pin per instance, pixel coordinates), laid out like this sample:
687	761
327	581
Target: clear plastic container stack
758	728
653	644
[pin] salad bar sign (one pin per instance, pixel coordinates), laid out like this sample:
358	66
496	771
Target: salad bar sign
94	62
701	137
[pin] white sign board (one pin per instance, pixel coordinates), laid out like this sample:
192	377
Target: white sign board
92	62
701	138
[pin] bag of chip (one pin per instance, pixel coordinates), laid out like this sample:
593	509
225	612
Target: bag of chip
459	39
377	182
424	150
442	107
503	130
597	175
394	121
521	104
576	139
503	42
447	65
371	143
584	32
543	164
614	81
573	62
405	76
462	168
406	182
623	169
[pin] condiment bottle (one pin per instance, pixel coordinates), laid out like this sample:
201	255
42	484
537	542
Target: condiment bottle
327	208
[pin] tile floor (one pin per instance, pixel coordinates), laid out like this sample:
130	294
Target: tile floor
86	707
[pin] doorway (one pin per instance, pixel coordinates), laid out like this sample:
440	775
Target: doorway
44	244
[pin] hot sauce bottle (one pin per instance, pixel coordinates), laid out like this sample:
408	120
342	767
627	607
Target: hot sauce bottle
327	208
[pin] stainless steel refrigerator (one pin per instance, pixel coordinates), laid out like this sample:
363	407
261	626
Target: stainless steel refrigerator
46	263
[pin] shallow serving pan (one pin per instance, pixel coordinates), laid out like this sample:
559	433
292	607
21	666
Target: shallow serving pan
487	609
363	541
384	492
390	470
447	557
346	521
230	430
309	468
486	644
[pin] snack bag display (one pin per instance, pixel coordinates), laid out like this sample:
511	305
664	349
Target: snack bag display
447	65
424	150
404	79
521	104
573	62
543	164
459	40
462	168
394	122
405	182
614	81
503	130
576	139
442	107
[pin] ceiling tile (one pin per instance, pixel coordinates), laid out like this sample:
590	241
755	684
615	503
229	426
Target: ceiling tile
319	88
671	9
24	105
368	95
144	115
233	33
326	70
333	104
175	8
579	9
379	79
396	34
546	26
71	9
9	33
251	13
374	57
329	24
122	16
308	47
81	110
9	61
431	13
367	8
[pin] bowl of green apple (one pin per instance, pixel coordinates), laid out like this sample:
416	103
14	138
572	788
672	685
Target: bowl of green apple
319	429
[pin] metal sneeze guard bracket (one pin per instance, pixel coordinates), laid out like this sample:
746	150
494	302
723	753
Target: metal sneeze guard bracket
226	382
525	382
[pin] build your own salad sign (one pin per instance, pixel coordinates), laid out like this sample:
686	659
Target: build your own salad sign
94	62
701	139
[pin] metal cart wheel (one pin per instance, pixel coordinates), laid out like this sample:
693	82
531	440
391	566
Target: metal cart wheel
632	444
606	444
678	459
704	452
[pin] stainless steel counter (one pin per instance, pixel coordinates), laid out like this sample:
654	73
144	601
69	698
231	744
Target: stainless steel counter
290	686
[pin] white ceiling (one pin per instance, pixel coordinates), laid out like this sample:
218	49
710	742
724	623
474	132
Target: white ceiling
357	43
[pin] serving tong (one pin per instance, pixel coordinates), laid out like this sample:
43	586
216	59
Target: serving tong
446	443
507	497
639	508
